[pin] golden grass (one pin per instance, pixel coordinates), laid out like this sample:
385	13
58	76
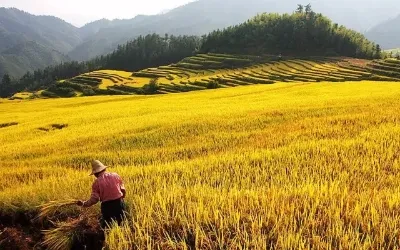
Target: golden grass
285	166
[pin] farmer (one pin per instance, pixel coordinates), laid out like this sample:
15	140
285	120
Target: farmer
109	189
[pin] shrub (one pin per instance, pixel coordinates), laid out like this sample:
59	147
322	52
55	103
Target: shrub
88	92
212	85
152	87
62	91
49	94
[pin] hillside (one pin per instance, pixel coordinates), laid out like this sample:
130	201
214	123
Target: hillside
28	56
143	52
387	34
93	28
29	42
301	34
213	71
17	27
203	16
196	18
283	166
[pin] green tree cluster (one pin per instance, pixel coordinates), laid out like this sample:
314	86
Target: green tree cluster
150	51
5	86
302	33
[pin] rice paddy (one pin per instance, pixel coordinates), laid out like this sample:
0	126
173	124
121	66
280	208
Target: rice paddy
210	71
302	164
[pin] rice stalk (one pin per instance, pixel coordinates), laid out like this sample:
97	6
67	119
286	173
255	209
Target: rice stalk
62	237
48	210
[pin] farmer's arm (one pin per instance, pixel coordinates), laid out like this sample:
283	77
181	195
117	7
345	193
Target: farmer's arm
94	198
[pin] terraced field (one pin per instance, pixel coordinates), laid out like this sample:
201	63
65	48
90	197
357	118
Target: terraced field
210	71
213	71
104	78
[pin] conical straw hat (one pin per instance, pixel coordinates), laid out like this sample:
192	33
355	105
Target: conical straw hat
97	167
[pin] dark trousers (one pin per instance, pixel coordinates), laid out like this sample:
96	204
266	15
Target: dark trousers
112	211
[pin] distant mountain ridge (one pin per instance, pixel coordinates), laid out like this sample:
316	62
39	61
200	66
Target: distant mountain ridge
203	16
196	18
387	34
29	42
28	56
17	26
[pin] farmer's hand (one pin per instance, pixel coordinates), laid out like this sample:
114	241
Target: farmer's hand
79	203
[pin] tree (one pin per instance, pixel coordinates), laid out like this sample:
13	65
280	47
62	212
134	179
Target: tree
5	87
308	9
152	87
300	8
378	50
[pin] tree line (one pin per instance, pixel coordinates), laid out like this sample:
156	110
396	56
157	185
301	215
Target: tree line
303	32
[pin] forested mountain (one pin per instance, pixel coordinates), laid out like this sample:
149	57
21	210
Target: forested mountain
302	33
203	16
143	52
195	18
28	56
29	42
92	28
17	28
387	34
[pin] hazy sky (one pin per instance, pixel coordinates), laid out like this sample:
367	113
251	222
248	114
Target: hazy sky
79	12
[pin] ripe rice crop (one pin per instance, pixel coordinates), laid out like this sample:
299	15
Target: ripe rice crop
280	166
209	67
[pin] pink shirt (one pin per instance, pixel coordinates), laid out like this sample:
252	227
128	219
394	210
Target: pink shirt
107	187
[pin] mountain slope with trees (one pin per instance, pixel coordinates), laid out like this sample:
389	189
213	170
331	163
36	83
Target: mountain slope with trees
17	27
29	42
303	33
203	16
28	56
196	18
143	52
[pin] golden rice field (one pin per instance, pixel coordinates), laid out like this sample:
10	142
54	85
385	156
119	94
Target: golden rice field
282	166
212	71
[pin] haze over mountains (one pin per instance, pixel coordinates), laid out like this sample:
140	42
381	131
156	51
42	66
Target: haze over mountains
387	34
28	42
